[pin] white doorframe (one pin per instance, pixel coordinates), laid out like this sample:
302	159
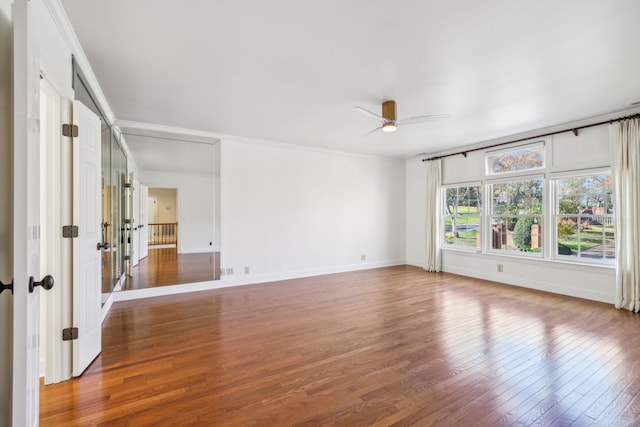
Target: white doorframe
25	384
6	194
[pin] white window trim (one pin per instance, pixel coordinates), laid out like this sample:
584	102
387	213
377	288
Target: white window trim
538	145
443	189
543	254
553	235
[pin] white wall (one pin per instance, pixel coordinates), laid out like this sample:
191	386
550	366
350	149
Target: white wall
6	196
590	149
195	207
290	212
166	204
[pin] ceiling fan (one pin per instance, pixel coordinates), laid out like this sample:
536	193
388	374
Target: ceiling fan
388	120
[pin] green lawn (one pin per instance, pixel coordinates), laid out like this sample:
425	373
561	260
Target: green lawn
465	238
473	217
590	237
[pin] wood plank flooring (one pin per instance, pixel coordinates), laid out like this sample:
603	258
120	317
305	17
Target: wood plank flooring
165	266
393	346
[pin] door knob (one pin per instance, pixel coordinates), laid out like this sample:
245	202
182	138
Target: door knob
104	245
8	286
46	283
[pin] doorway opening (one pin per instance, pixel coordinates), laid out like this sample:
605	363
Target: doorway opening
162	208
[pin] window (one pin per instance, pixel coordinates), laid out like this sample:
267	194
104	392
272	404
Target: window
462	216
527	158
516	215
576	225
584	218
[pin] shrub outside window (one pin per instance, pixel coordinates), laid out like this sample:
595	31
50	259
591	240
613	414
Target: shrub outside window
584	218
462	216
516	216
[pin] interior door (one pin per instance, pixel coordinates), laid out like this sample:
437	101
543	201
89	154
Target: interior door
144	222
87	214
25	385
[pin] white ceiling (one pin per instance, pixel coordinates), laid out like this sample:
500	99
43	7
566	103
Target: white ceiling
170	152
292	71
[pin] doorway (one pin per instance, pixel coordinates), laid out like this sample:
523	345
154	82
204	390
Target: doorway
163	218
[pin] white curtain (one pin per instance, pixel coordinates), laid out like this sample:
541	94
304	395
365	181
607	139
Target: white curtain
625	160
433	260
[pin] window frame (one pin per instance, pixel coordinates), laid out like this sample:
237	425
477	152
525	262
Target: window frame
549	175
554	182
491	157
444	214
520	177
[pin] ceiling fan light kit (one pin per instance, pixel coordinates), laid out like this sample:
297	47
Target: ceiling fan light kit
389	127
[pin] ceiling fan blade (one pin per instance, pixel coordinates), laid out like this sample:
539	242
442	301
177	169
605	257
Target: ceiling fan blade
422	119
372	131
370	114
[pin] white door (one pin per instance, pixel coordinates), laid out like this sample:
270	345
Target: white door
25	385
87	256
135	242
143	225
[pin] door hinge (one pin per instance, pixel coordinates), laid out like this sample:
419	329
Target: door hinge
69	231
69	334
70	130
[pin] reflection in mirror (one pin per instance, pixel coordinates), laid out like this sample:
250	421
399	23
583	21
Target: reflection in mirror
175	234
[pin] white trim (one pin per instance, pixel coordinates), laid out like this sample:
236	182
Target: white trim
603	170
106	306
554	215
490	159
463	184
515	177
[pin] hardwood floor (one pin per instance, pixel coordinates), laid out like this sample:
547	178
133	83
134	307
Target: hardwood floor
392	346
165	266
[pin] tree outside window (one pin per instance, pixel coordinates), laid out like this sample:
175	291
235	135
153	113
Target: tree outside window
462	216
516	216
584	217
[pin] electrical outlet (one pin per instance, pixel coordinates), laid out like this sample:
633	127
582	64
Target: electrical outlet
363	257
247	270
500	268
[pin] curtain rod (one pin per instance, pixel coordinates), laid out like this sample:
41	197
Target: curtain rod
573	129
